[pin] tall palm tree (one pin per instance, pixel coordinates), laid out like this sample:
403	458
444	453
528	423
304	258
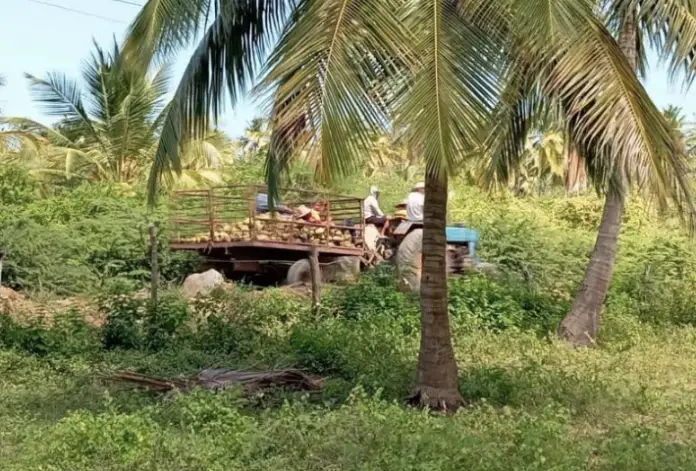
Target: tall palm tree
107	130
104	129
256	138
670	25
345	70
543	165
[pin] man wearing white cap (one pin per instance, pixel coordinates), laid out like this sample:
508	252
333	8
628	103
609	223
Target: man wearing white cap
414	203
372	212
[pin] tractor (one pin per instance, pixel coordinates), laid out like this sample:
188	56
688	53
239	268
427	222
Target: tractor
403	246
223	225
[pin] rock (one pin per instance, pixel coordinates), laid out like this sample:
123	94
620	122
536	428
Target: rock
201	284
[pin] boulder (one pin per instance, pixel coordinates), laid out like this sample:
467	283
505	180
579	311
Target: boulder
201	284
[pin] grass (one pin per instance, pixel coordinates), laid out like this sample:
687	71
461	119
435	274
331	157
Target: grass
627	404
535	405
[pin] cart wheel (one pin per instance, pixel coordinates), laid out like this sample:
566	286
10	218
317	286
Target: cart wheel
343	269
299	272
409	260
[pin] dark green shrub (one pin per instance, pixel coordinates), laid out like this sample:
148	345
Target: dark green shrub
44	258
579	213
124	315
75	241
165	324
246	322
376	352
67	334
72	335
543	256
374	295
658	275
476	301
33	337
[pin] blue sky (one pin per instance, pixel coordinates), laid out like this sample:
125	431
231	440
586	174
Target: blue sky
37	38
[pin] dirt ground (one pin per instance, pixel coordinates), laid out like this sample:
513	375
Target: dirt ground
22	308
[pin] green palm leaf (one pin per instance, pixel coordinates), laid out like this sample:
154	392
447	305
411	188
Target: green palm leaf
162	27
226	60
34	128
611	117
322	73
452	95
62	97
670	26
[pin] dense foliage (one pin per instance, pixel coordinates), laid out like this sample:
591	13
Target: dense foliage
73	224
535	404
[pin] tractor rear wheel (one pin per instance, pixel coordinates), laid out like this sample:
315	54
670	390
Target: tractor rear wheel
299	273
340	269
409	260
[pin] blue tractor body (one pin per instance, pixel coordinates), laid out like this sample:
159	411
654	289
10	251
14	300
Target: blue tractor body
459	235
461	244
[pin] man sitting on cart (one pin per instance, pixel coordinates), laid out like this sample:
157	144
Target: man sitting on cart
414	203
308	214
371	211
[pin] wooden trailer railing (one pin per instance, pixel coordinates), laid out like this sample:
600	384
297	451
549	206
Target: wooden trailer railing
226	216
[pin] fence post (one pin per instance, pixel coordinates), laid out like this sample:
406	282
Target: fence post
154	264
2	257
316	279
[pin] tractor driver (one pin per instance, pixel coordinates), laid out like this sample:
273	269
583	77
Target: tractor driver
414	204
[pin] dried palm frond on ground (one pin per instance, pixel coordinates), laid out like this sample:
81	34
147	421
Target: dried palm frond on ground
222	378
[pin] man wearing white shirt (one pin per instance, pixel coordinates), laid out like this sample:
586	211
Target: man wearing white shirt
371	211
414	204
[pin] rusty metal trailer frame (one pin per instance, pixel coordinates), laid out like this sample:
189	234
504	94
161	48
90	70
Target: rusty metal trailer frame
198	214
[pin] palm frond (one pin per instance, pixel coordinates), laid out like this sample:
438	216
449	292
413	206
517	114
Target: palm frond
521	109
324	73
62	97
226	59
29	126
611	120
131	127
163	27
455	86
670	26
99	91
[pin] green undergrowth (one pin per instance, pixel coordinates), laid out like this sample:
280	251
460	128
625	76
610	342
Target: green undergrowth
627	404
535	404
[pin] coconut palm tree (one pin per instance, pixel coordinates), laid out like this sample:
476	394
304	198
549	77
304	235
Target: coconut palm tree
204	160
107	130
670	25
104	130
446	70
543	164
256	138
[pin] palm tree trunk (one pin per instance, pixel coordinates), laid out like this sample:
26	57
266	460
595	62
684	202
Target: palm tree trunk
576	177
437	377
580	326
